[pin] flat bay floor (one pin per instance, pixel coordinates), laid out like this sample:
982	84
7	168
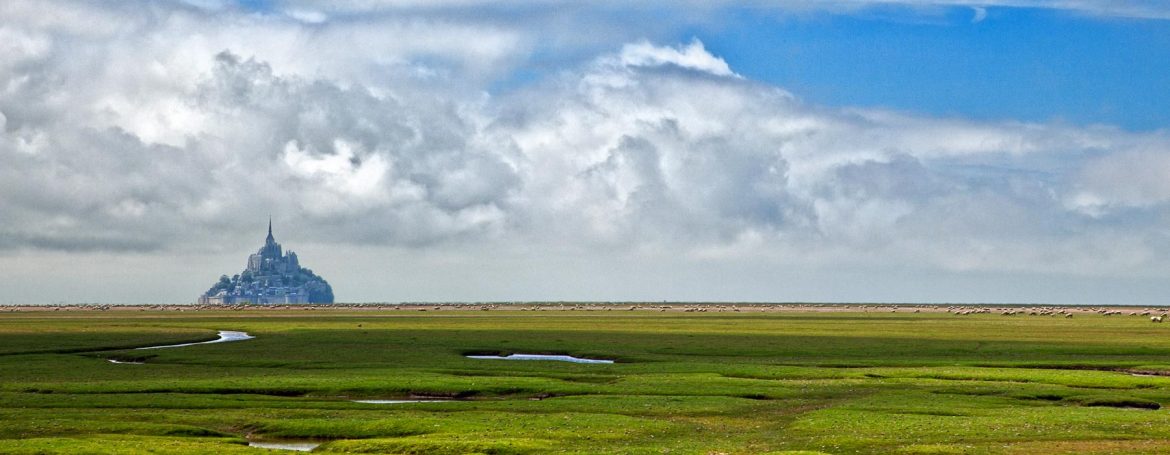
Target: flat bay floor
858	380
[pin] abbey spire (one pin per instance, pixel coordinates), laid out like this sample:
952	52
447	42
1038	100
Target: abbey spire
270	251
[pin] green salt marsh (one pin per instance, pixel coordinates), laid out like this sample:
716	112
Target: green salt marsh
714	382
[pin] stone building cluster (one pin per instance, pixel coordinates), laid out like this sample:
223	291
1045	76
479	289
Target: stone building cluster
271	277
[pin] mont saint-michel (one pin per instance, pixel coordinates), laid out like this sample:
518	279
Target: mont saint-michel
271	277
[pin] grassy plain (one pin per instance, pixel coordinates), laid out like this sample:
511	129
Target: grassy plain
855	381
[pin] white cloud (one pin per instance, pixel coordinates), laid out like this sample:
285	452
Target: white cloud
692	56
978	14
650	147
1134	178
633	156
308	16
1145	9
168	130
343	172
1150	9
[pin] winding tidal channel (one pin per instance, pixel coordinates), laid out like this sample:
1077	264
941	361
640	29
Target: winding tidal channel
224	336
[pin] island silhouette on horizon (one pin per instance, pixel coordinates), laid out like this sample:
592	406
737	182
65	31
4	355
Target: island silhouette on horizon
272	276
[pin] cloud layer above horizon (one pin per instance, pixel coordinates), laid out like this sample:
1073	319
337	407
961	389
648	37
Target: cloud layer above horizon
156	127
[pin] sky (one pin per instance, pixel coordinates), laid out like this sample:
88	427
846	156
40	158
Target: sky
924	151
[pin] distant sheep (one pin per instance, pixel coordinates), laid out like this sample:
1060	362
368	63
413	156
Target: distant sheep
1155	319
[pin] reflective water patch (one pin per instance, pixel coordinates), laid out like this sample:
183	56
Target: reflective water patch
559	358
297	446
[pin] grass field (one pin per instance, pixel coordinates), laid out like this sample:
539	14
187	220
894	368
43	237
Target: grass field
713	382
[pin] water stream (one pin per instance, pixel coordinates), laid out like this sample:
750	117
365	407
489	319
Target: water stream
224	336
559	358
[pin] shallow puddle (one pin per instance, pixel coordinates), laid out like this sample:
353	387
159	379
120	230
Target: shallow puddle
224	336
558	358
297	446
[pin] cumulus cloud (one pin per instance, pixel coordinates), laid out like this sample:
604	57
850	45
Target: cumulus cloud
691	57
651	153
163	145
114	142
